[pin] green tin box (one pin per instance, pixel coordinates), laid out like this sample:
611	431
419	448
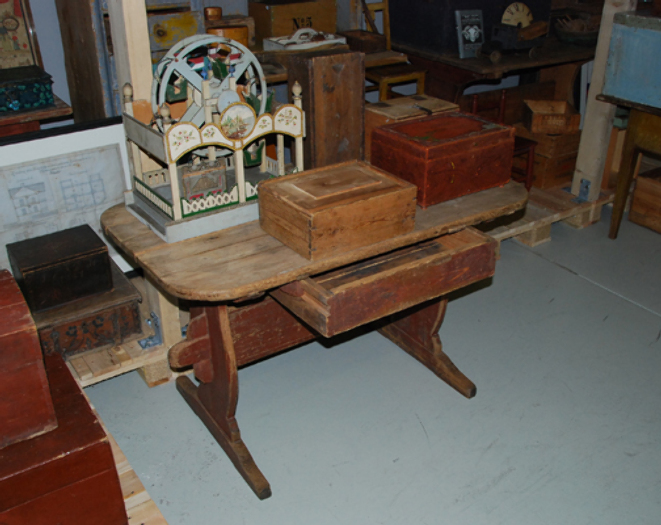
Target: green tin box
24	89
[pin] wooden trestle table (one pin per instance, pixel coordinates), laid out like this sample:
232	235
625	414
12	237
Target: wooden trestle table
239	279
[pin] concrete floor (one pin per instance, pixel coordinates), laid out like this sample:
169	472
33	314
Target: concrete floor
564	346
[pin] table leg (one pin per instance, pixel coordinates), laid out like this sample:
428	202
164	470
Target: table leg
221	338
643	135
215	400
416	332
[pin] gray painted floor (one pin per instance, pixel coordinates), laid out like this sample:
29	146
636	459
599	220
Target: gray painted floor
564	346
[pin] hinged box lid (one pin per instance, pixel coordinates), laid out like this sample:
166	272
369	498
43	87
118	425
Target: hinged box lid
410	106
47	250
443	129
336	209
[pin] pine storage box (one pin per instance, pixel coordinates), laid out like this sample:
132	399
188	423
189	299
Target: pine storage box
445	156
336	209
550	116
25	88
281	18
646	203
54	269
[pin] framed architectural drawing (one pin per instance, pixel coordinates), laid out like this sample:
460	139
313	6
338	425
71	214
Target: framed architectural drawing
18	41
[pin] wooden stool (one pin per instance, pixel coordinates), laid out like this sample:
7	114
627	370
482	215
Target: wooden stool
643	135
384	77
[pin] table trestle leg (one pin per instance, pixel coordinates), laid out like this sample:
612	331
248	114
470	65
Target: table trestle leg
416	332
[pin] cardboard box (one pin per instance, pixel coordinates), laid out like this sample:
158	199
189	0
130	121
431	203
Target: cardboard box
446	156
336	209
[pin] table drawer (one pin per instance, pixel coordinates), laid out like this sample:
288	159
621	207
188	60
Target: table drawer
343	299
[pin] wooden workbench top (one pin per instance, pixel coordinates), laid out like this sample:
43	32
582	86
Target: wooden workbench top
245	261
551	53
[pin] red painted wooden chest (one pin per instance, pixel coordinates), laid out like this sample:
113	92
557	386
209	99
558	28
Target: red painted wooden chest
26	407
446	156
67	475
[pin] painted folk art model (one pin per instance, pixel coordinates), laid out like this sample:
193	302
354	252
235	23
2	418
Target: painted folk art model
198	148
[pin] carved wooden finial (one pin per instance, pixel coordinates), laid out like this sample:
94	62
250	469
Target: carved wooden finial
297	89
164	113
128	92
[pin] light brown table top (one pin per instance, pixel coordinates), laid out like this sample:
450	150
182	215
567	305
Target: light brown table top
244	260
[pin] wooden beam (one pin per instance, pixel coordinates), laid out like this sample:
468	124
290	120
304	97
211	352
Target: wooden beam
130	37
595	138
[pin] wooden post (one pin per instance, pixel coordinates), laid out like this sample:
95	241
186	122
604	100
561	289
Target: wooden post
133	147
296	91
280	148
599	115
239	174
130	39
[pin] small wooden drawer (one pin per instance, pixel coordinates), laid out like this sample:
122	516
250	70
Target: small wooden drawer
343	299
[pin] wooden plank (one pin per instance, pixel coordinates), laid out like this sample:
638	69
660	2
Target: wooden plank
81	369
599	115
130	38
146	514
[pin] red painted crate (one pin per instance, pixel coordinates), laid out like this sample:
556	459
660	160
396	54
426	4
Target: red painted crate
446	156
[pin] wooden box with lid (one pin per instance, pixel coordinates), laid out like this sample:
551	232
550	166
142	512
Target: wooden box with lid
336	209
400	109
54	269
445	156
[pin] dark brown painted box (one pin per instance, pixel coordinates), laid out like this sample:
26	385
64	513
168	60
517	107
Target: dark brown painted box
54	269
104	319
446	156
26	407
64	476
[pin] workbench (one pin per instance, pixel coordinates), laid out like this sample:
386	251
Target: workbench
448	75
238	280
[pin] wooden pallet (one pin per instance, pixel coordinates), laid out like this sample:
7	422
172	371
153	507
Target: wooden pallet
532	226
107	362
140	508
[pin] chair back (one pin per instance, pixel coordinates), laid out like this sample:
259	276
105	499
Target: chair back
370	9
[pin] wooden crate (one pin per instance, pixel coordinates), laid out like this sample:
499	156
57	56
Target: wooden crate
67	475
234	21
343	299
550	116
399	110
54	269
336	209
26	407
551	146
646	203
334	103
550	173
445	156
277	18
105	319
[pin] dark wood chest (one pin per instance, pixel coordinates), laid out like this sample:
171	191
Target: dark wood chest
60	267
445	156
